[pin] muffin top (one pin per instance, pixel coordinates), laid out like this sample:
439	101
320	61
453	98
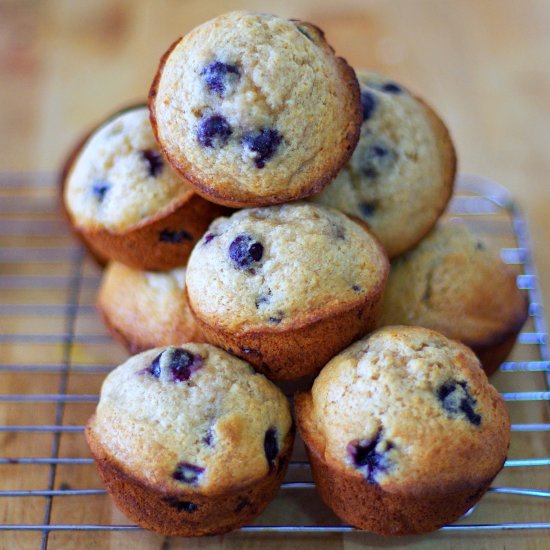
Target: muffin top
408	409
278	267
193	418
401	174
453	283
148	309
255	109
119	177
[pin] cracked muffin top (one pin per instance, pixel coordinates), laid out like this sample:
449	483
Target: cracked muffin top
408	409
193	418
280	266
453	283
255	109
119	178
401	175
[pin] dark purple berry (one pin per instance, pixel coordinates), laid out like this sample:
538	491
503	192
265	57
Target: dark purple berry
365	457
187	473
154	160
244	251
154	369
208	237
356	288
391	88
100	188
276	319
243	503
368	103
183	364
376	159
263	144
209	437
367	209
181	505
271	447
167	236
218	75
214	131
456	399
480	245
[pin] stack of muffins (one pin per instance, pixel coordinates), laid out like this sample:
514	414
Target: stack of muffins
334	174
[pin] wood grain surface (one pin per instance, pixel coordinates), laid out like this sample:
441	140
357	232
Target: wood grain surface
484	65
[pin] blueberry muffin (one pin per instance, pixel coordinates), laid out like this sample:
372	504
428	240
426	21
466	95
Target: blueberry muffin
403	431
146	309
286	287
126	202
190	440
401	175
453	283
255	110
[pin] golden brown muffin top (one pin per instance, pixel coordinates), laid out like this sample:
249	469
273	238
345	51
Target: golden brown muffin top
402	171
410	410
119	177
191	417
255	109
279	265
453	283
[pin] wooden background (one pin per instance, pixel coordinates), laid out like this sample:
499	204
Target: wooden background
484	65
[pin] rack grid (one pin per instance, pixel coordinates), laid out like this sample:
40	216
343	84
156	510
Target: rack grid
54	353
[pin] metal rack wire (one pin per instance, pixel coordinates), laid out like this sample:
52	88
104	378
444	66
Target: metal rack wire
53	341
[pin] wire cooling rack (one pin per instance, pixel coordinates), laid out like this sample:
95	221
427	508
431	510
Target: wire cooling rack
54	354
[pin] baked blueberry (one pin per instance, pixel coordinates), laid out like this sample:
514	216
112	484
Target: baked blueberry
183	364
456	399
154	161
367	209
181	505
263	144
243	503
392	88
244	251
208	439
99	189
167	236
376	159
214	131
154	369
366	455
368	104
276	319
218	76
271	447
187	473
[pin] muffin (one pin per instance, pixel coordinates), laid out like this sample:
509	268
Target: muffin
190	441
144	309
286	287
453	283
126	202
401	175
404	432
254	109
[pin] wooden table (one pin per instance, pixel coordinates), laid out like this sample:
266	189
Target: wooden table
485	65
